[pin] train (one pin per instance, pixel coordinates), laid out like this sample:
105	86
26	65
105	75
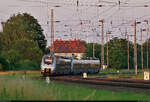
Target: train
59	65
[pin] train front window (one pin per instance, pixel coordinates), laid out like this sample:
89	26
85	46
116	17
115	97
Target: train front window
48	61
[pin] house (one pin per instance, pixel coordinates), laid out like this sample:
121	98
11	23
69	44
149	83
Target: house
69	47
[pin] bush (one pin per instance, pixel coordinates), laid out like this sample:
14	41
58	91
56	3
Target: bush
12	57
28	65
1	66
3	63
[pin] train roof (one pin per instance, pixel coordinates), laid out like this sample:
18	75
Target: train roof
63	57
87	61
83	61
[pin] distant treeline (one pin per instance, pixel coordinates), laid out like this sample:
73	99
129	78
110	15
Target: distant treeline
118	53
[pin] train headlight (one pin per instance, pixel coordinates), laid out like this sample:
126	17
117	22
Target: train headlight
42	71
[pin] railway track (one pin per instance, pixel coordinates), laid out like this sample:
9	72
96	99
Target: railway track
102	81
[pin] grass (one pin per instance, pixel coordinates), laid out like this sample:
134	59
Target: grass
112	73
19	89
14	87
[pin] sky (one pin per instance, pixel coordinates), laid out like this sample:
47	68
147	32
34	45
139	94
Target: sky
81	21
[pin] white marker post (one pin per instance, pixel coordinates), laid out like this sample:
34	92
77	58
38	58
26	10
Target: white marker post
84	75
117	71
146	75
24	75
104	67
48	80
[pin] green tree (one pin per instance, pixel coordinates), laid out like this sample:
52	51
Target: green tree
13	57
145	54
118	53
89	50
3	63
28	65
0	43
22	39
23	52
28	49
22	26
97	51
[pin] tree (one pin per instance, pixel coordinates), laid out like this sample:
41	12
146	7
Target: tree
22	39
89	50
3	63
23	52
0	43
12	57
34	26
145	55
28	49
118	53
22	26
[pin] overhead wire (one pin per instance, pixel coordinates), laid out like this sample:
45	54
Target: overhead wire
103	12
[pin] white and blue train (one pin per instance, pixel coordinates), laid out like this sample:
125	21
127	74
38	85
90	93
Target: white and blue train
57	65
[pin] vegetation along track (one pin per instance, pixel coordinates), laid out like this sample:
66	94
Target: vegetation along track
101	81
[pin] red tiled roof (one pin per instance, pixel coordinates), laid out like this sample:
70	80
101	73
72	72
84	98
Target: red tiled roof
69	46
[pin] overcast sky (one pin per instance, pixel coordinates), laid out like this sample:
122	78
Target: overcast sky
117	17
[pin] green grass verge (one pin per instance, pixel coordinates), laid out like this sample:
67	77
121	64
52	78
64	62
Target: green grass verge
14	87
124	73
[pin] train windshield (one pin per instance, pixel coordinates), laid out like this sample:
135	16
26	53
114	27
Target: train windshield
48	60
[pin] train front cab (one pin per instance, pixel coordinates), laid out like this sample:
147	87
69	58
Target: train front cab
48	66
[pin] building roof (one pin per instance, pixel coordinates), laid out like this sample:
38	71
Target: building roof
69	46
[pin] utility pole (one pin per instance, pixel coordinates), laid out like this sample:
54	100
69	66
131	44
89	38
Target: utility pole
128	49
147	40
93	50
79	30
52	32
135	48
147	44
77	3
102	42
128	53
141	50
107	50
87	34
71	33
